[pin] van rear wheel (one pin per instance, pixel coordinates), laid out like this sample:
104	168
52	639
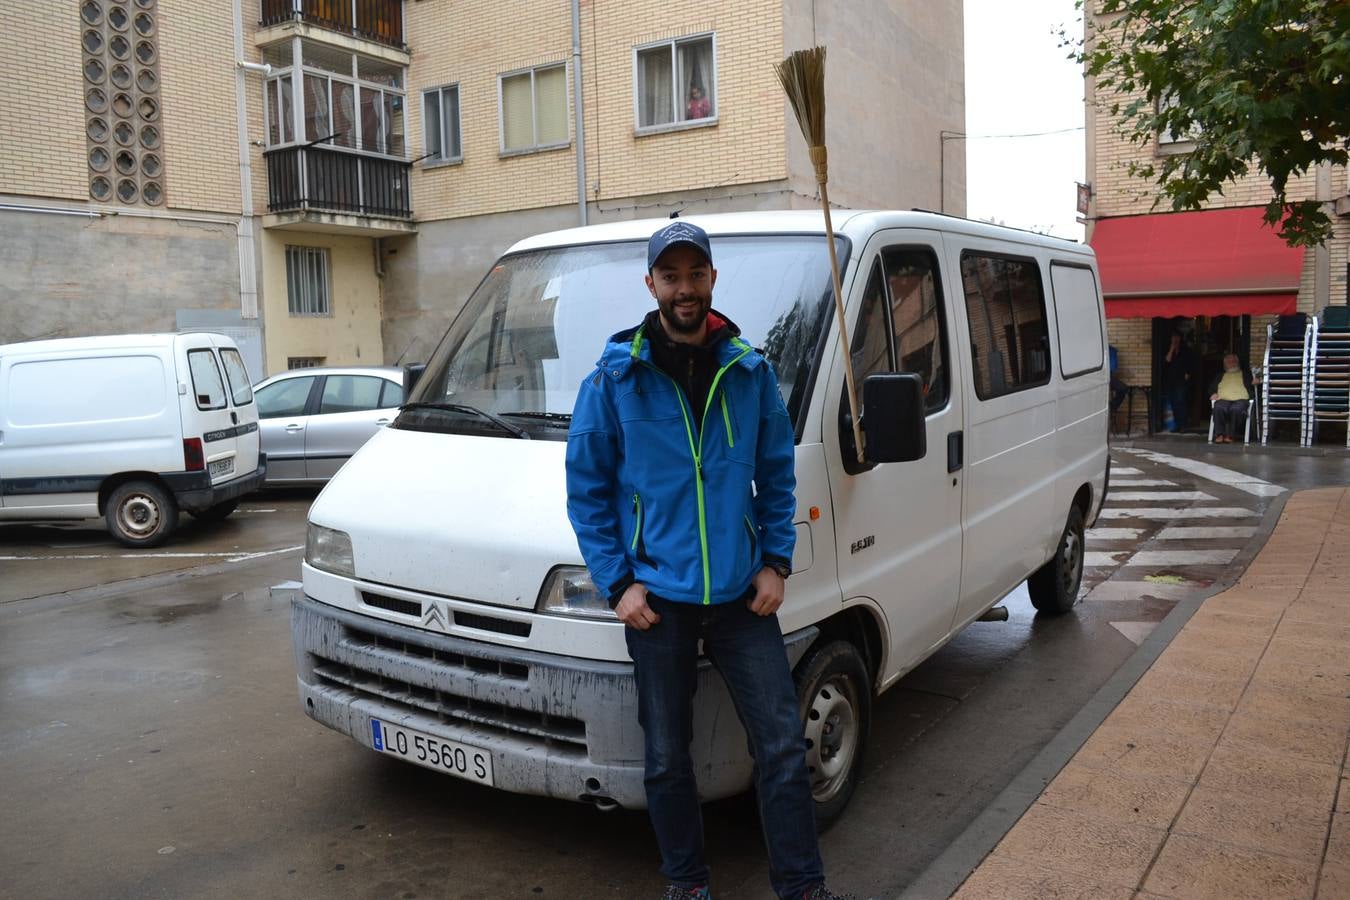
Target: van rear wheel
141	514
1054	586
835	694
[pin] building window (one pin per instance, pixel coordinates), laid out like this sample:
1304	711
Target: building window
298	362
307	281
440	124
1168	142
534	109
676	82
1005	308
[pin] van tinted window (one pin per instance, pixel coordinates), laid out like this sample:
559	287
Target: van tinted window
1005	309
207	385
917	318
240	390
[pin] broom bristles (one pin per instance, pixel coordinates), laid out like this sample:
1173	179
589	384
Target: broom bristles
803	76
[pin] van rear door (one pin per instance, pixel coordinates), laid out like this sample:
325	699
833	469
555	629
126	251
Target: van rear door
208	416
247	436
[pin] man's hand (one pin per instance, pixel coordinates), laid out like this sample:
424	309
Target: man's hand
768	597
1213	397
633	610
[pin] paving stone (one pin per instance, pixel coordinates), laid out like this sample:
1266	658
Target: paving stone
1111	852
1193	868
1233	769
1268	824
1287	703
1002	878
1333	882
1343	797
1144	750
1215	664
1116	796
1182	717
1322	742
1338	843
1183	685
1317	633
1313	677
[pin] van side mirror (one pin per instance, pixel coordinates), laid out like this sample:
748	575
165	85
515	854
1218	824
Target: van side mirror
412	373
893	417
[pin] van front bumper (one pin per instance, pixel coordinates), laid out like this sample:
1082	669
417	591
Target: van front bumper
555	726
195	492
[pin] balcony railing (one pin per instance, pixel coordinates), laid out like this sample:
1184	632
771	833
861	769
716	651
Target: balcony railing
326	179
375	20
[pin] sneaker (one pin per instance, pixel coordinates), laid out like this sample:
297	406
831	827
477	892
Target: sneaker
675	892
821	892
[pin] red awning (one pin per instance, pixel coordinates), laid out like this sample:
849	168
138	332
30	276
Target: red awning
1208	263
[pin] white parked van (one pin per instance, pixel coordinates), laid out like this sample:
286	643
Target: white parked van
132	427
447	618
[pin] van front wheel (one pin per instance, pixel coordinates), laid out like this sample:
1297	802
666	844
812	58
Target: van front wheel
141	514
1054	586
836	705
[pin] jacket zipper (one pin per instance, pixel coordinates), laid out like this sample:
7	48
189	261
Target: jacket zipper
696	450
637	531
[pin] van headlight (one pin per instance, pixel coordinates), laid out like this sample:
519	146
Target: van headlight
329	550
569	591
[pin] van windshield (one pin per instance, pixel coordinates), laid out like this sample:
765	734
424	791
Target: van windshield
517	353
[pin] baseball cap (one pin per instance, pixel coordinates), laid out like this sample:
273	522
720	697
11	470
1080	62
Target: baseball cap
677	233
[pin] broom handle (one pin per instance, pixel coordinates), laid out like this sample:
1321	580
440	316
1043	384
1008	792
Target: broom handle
843	326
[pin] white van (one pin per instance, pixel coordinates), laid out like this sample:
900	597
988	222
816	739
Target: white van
131	427
447	618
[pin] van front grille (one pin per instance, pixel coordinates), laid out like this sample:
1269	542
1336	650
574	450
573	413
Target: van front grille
392	604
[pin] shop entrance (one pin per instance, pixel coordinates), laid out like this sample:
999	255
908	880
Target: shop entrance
1184	381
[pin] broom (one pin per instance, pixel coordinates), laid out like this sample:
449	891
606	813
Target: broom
803	76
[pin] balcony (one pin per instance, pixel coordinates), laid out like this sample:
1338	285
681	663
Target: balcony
330	189
380	21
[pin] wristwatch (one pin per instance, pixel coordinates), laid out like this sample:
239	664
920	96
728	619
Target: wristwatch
783	569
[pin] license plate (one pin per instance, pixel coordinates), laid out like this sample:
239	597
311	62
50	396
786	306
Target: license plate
433	752
221	467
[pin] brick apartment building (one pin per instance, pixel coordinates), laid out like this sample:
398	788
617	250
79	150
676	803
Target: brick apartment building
335	198
1218	276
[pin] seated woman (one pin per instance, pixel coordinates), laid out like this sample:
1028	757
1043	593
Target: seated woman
1231	394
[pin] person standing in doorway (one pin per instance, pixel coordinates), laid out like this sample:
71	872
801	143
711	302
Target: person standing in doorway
678	419
1178	366
1230	392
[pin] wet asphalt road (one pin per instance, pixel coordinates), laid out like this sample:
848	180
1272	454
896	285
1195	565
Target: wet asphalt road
154	745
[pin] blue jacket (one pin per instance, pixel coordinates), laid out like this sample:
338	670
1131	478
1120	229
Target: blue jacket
655	501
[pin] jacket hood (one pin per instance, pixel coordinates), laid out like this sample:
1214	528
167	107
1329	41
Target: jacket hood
633	344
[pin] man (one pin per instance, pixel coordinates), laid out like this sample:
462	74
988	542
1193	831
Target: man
678	419
1230	392
1176	376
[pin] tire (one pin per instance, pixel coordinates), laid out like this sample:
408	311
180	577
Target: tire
217	513
1054	586
141	514
835	696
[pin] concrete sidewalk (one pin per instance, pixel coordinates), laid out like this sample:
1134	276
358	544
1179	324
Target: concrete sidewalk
1222	773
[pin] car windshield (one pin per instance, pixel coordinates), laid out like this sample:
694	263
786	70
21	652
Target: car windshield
537	324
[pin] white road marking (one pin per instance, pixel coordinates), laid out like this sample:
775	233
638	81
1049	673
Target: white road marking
1114	534
1102	560
1135	631
1219	557
1242	482
1141	482
247	510
1163	514
235	556
1193	496
1204	533
1123	470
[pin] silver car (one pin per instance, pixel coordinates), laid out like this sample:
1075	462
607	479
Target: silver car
313	420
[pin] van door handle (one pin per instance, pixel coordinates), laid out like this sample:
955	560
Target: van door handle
955	451
381	421
294	427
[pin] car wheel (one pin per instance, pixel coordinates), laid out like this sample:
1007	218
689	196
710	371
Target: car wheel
835	694
1054	586
217	513
141	514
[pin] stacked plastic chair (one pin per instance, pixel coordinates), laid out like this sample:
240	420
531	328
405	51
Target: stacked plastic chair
1284	382
1327	396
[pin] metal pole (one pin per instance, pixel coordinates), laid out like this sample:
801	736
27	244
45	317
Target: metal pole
576	105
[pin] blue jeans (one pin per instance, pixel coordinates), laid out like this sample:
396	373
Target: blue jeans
747	650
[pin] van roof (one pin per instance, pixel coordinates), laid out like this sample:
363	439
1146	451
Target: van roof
856	224
106	342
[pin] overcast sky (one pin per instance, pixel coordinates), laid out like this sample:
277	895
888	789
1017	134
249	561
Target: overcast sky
1018	81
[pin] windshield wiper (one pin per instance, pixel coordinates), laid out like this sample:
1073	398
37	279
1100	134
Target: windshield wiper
551	418
468	410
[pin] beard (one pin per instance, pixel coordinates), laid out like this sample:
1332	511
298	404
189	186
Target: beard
685	321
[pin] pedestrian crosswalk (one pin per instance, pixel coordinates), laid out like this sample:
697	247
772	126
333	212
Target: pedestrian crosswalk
1169	526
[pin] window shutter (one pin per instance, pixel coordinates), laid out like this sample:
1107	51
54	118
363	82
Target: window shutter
550	93
517	113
